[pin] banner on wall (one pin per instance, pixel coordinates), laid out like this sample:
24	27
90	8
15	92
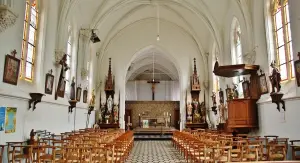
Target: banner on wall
11	119
2	118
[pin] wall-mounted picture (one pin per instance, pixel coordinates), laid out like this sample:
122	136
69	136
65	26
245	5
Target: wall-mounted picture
263	86
10	120
246	89
78	94
85	92
61	89
49	83
297	72
11	70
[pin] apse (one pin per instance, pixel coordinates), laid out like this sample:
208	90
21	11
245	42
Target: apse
152	76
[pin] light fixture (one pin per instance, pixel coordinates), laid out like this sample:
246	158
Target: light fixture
157	38
94	37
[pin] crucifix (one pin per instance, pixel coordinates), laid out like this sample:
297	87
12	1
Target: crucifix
153	82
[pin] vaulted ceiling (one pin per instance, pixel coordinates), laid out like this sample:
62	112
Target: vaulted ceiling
202	20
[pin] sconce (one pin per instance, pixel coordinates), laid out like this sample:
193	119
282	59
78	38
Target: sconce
72	105
277	99
91	108
214	109
35	98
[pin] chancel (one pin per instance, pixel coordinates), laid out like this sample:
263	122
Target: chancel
99	80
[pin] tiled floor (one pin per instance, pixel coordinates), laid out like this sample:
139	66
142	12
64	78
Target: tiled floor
154	151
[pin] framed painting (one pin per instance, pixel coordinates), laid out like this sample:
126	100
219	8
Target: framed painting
297	72
78	93
85	92
246	89
49	83
61	88
11	70
263	86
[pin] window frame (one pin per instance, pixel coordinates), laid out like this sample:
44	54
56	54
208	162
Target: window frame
25	40
287	38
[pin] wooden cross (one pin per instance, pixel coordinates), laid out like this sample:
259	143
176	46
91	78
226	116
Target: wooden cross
13	53
153	82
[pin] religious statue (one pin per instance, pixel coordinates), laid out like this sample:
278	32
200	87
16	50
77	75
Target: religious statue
116	113
222	113
221	96
214	98
197	116
235	91
109	104
72	93
189	112
275	78
92	101
202	112
101	112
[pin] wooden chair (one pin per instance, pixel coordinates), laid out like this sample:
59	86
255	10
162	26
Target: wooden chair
25	155
250	152
46	154
276	152
10	150
295	145
1	152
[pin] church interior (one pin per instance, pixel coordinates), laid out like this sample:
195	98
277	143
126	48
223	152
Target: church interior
149	81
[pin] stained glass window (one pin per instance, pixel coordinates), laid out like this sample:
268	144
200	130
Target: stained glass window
29	40
283	39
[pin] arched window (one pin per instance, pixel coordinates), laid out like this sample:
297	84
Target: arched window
216	81
29	43
236	51
283	39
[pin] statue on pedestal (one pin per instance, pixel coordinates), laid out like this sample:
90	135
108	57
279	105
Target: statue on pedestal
109	104
189	112
275	78
235	91
116	113
92	101
72	93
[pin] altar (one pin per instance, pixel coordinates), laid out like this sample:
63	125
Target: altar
147	121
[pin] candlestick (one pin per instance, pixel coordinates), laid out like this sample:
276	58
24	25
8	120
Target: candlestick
128	119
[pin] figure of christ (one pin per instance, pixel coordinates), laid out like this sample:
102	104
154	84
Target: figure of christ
153	82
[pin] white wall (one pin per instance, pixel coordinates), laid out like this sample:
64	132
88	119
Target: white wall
51	115
140	90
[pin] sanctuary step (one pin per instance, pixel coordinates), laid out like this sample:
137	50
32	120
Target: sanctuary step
153	133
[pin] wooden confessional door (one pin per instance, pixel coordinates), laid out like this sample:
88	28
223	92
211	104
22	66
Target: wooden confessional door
176	119
127	113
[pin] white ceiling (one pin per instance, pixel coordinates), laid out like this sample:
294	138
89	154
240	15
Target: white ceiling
203	20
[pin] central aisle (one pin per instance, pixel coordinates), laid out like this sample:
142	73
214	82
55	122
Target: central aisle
154	151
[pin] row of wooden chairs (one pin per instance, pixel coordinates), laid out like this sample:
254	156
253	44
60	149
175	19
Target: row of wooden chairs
84	146
222	147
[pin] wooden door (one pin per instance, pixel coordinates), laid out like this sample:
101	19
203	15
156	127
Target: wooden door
127	113
176	119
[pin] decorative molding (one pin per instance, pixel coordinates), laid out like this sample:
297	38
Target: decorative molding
84	73
58	55
7	17
206	84
250	57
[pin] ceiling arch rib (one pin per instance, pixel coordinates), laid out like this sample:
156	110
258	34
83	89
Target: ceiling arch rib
188	34
205	17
